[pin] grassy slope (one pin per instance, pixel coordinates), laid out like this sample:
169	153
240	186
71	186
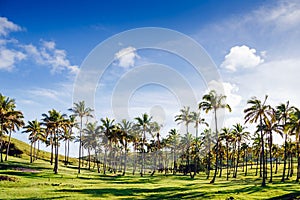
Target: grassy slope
43	184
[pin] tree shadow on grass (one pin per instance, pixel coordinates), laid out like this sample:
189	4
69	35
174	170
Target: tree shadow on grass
133	193
292	195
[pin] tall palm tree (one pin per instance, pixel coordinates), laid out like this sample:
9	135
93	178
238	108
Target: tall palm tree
283	112
143	122
294	126
226	134
212	102
80	110
239	134
258	111
34	128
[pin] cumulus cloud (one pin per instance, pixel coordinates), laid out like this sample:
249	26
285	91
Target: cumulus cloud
8	58
7	26
47	54
241	57
126	57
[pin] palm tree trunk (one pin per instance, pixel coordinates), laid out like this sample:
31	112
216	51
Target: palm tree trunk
257	165
68	154
38	150
298	156
217	146
56	154
31	151
246	162
237	160
227	158
89	156
34	150
125	159
263	184
7	150
284	159
105	158
270	152
79	157
51	159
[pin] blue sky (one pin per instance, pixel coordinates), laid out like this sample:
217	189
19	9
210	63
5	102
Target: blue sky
254	45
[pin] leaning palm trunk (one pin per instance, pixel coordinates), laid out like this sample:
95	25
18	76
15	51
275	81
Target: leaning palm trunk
7	150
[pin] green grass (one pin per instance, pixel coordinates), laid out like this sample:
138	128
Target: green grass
42	183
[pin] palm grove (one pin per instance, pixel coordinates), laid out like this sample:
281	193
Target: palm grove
138	147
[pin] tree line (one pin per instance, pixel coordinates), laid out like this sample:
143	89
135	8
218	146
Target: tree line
139	146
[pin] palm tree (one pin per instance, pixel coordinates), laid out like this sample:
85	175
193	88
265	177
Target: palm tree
239	134
81	111
34	128
185	117
54	120
173	138
143	122
198	121
283	112
14	121
226	134
294	127
107	127
258	111
125	138
7	107
212	102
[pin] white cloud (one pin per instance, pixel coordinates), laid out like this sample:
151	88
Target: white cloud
47	54
8	58
7	26
241	57
126	57
284	15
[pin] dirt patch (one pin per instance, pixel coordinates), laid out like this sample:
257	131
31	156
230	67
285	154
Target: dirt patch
22	169
8	178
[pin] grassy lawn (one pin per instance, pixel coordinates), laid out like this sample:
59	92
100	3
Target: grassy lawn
37	181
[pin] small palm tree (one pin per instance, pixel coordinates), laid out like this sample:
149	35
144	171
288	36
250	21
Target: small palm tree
34	128
81	111
226	134
240	134
213	102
